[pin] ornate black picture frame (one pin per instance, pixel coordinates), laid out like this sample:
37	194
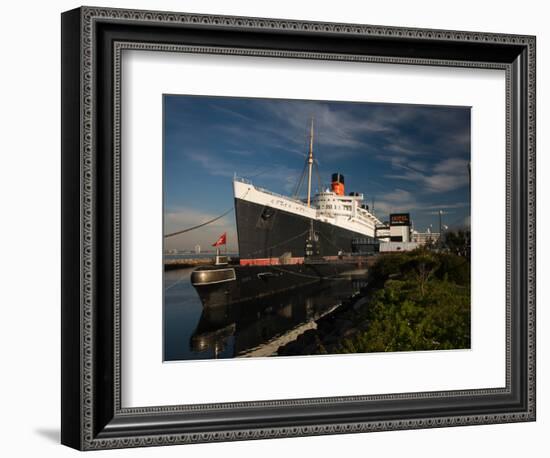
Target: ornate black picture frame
92	42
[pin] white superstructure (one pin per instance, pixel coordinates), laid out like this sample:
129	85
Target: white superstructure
339	210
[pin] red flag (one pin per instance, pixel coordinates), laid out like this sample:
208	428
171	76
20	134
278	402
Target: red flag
222	240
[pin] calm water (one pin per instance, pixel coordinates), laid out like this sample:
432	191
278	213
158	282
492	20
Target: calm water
255	328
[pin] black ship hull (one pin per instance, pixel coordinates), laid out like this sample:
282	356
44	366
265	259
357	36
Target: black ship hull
225	285
266	233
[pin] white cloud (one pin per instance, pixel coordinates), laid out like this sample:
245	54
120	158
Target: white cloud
396	201
452	165
446	175
443	182
332	127
400	200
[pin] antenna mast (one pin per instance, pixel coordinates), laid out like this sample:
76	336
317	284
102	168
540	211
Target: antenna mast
310	164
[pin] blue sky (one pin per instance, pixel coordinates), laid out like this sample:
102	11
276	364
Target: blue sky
409	158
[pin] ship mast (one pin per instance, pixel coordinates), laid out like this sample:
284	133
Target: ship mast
310	164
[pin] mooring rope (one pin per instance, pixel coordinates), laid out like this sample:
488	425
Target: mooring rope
176	283
199	225
189	229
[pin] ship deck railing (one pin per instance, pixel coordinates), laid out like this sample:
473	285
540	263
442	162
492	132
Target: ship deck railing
267	191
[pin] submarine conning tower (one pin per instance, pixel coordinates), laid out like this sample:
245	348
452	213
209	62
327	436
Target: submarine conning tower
337	184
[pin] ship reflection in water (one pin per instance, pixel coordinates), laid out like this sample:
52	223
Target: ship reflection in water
255	328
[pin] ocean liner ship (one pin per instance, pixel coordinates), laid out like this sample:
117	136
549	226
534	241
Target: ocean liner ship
272	227
287	242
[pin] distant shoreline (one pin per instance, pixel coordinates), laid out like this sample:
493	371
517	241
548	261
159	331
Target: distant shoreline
187	262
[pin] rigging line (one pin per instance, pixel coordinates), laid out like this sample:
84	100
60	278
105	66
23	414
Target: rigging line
302	176
280	243
257	169
260	172
206	222
318	175
175	283
200	225
299	185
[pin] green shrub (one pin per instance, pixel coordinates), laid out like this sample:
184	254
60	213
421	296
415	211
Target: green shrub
422	302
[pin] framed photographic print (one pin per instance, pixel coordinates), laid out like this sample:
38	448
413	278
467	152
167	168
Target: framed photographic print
279	228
